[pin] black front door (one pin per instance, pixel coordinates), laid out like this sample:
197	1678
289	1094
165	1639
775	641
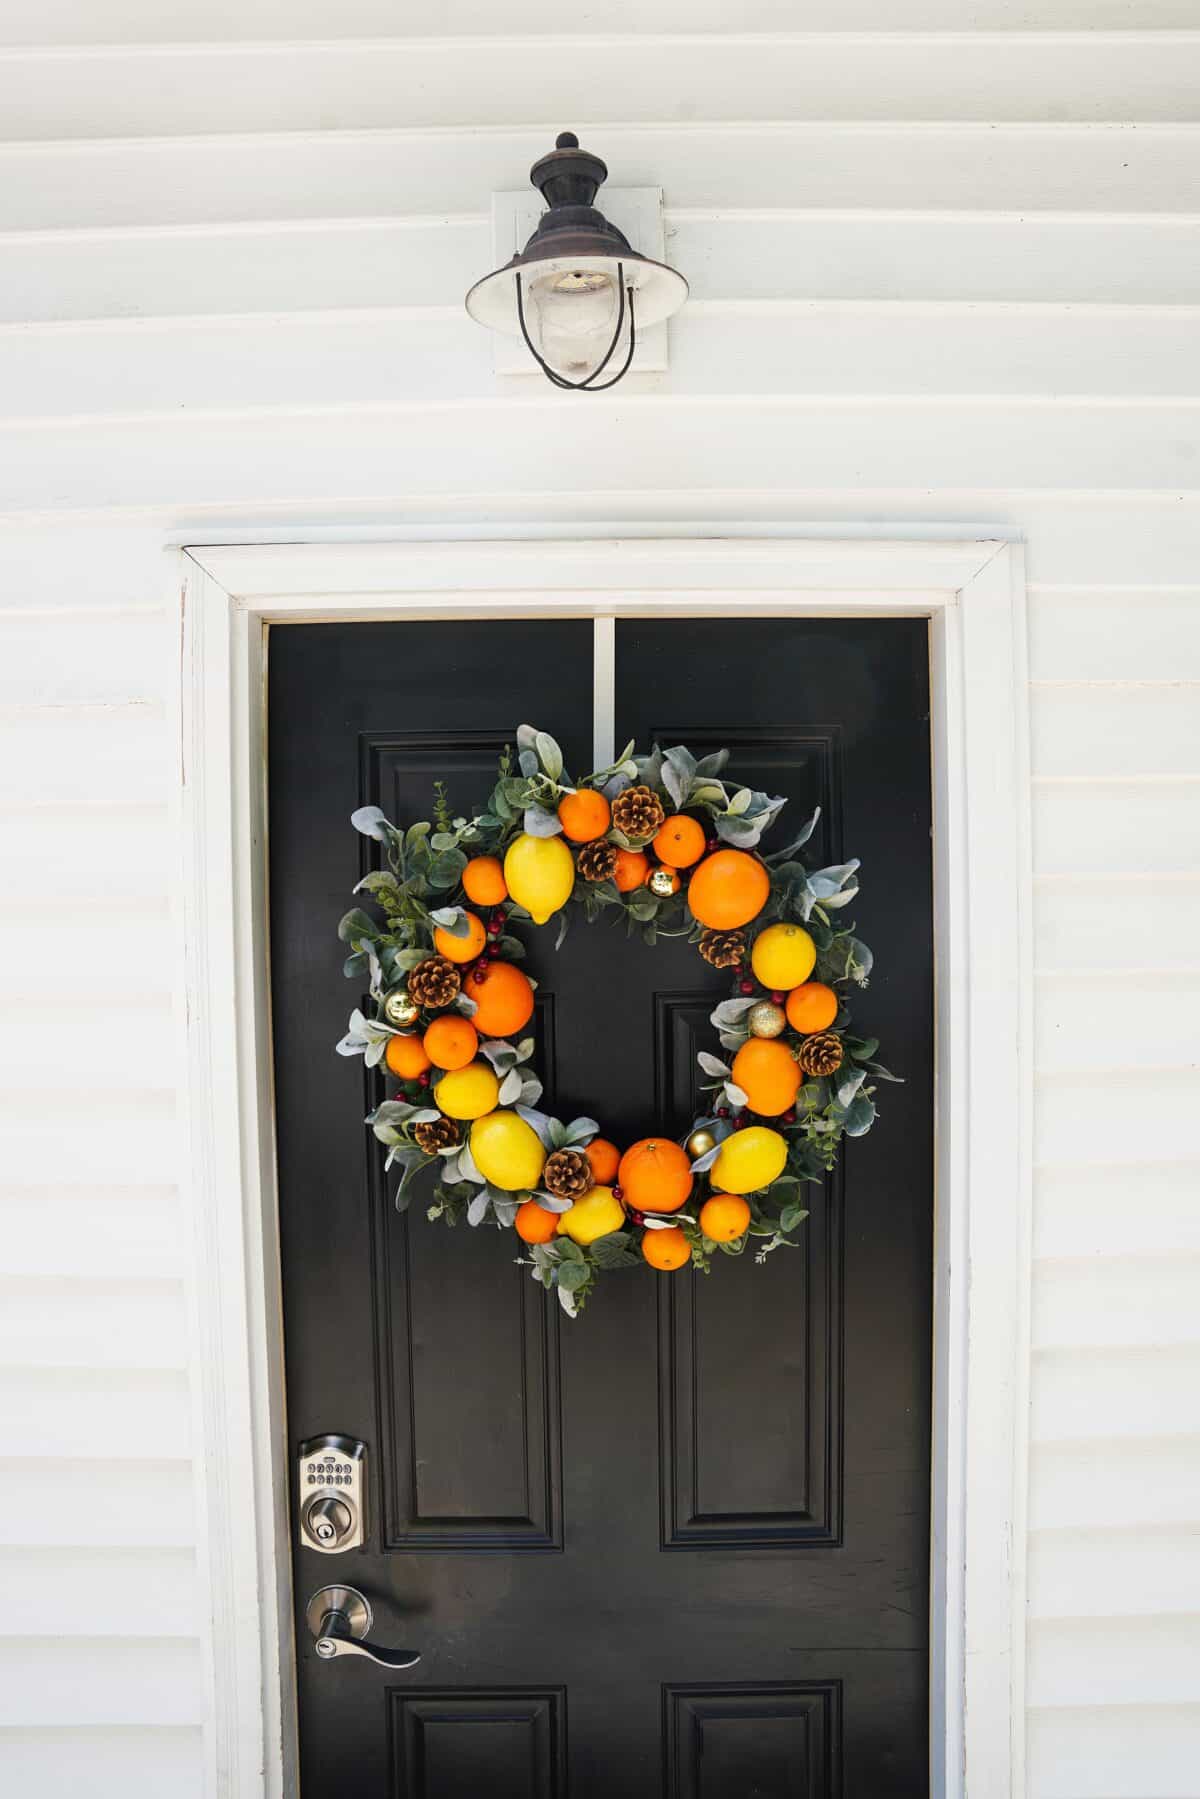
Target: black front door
678	1546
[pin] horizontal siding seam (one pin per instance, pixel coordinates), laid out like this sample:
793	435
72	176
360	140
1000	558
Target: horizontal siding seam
633	42
283	225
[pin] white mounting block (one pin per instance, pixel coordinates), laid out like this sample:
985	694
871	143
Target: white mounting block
637	211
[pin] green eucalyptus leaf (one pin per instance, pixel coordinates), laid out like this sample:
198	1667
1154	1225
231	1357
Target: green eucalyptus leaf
860	1116
355	925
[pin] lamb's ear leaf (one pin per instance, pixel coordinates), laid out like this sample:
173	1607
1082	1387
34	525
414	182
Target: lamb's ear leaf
580	1131
511	1088
713	763
550	1202
372	822
675	783
539	1122
549	754
703	1163
540	823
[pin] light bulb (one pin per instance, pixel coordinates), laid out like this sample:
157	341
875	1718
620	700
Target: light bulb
576	313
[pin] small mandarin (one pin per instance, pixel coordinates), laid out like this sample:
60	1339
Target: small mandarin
461	949
483	881
503	1000
666	1250
768	1074
534	1224
605	1159
663	880
632	868
406	1057
728	889
451	1042
655	1175
584	815
812	1006
680	842
724	1217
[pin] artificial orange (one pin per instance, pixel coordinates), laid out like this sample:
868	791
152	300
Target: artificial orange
724	1217
406	1057
655	1175
672	877
605	1159
680	842
451	1042
503	1000
461	949
768	1074
812	1006
666	1250
534	1224
483	881
632	868
584	815
728	889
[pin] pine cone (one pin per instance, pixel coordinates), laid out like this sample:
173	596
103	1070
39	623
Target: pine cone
567	1174
723	949
822	1054
435	982
435	1134
597	860
637	813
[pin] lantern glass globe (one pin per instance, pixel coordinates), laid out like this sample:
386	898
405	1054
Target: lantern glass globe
573	314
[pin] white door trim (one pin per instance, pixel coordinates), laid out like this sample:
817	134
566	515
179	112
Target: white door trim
974	596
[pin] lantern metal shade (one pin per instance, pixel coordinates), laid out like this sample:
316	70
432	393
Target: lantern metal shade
574	239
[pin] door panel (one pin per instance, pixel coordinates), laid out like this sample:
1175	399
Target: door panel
680	1545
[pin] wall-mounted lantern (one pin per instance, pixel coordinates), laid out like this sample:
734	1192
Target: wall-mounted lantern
578	292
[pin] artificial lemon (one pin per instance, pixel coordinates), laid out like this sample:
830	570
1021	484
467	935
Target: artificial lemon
748	1160
783	956
507	1151
467	1092
539	873
595	1215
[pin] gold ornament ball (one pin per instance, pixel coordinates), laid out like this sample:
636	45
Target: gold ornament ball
699	1143
766	1019
401	1009
662	883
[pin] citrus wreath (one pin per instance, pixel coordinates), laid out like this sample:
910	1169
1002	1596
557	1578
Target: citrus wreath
450	1007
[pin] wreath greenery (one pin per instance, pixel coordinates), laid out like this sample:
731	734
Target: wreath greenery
668	844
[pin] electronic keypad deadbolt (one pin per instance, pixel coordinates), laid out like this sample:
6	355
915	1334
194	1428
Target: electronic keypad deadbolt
331	1473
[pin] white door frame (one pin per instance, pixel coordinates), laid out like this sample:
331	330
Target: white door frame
973	593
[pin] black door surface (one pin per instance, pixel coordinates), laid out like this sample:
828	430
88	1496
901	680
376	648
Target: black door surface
680	1545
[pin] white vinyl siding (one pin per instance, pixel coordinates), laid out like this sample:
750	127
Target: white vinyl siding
945	266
